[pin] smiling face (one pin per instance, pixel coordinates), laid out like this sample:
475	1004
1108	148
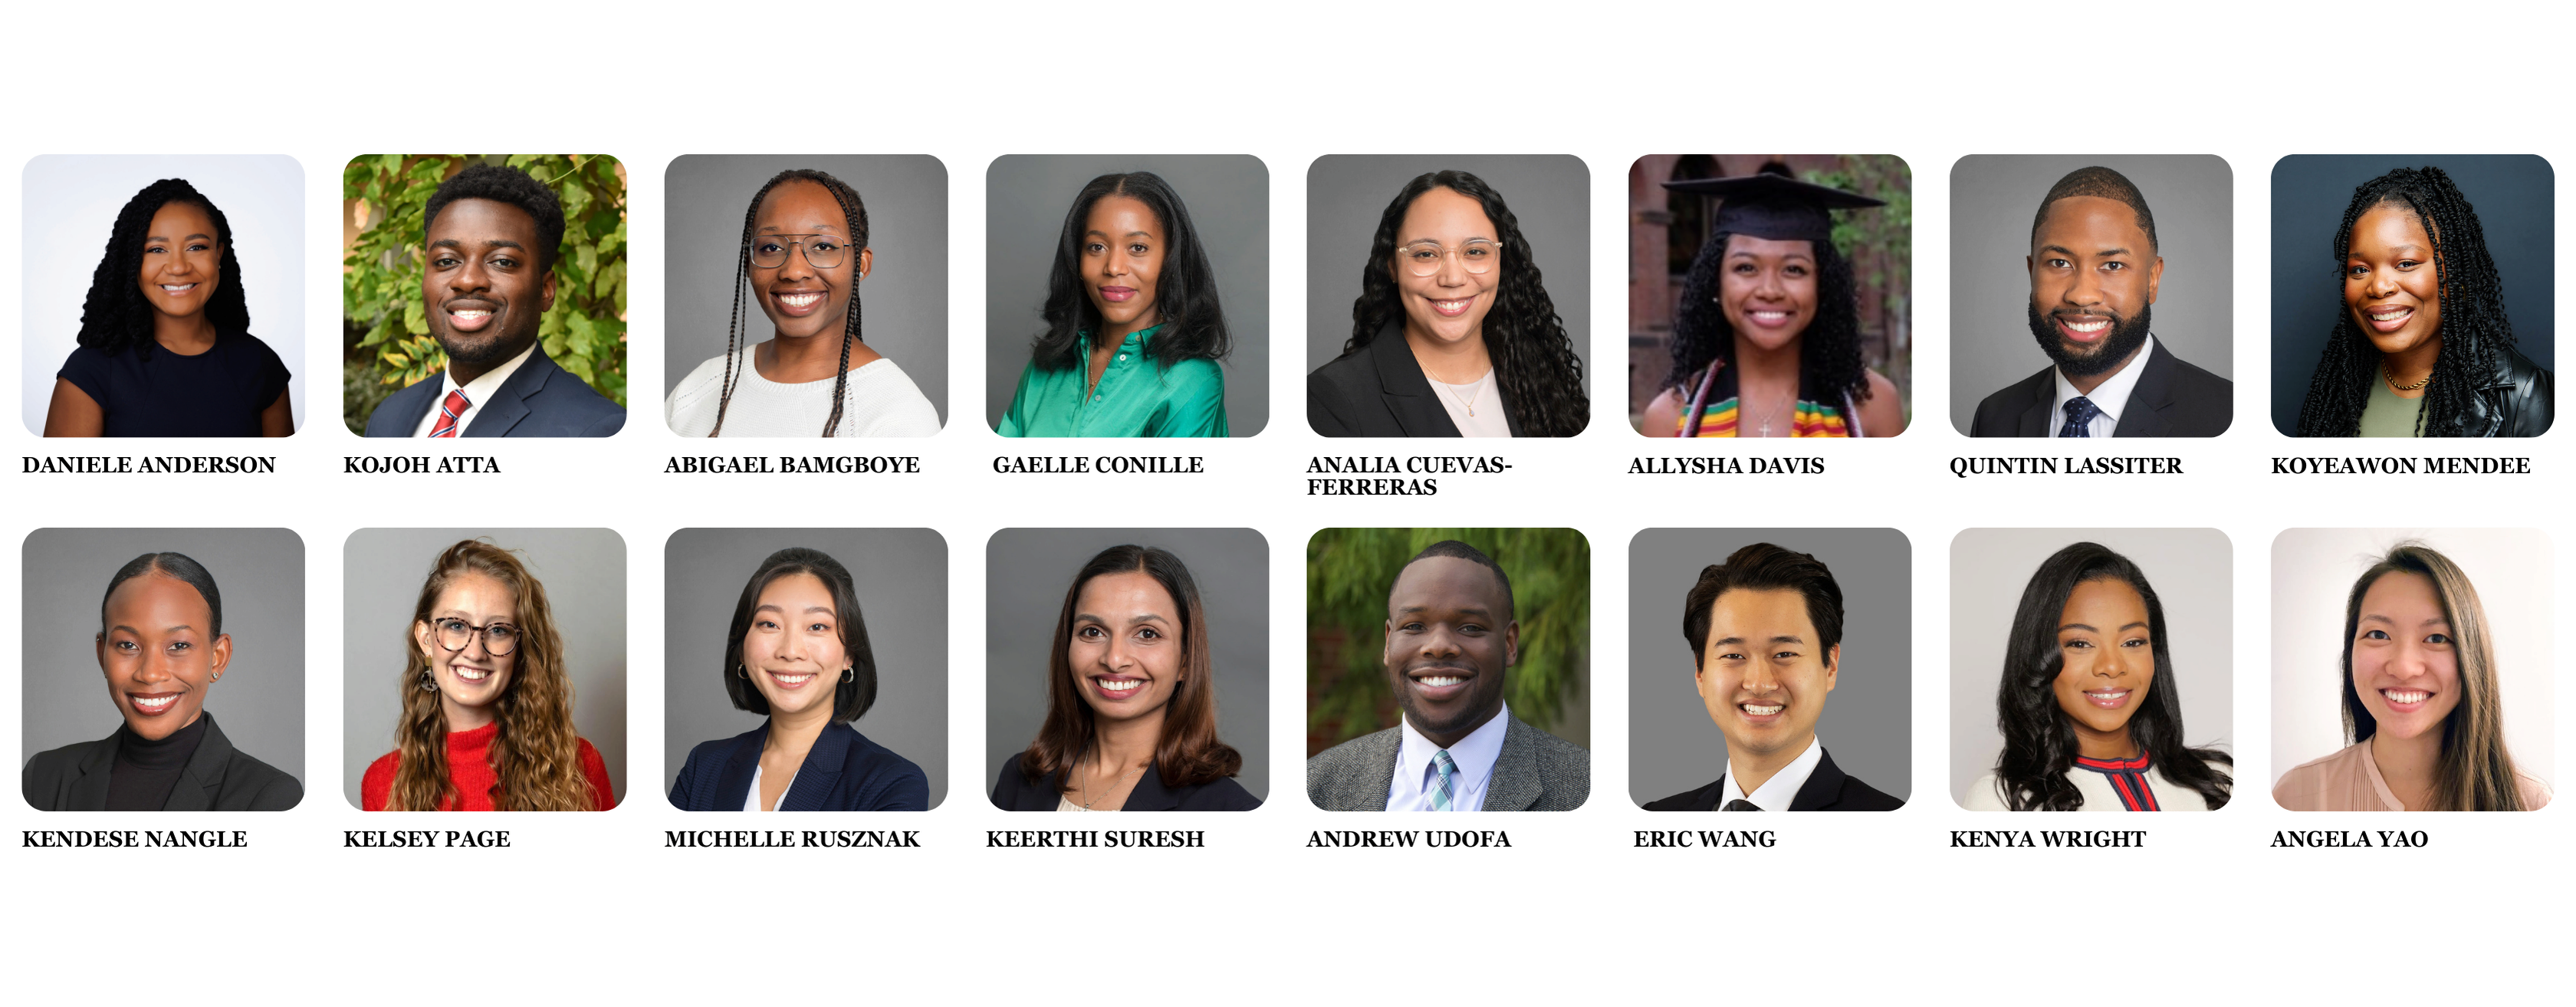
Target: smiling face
1767	289
481	283
182	263
1126	650
2390	284
2405	665
1122	262
2110	663
2093	272
793	652
1449	635
159	653
470	680
1764	676
1448	306
802	220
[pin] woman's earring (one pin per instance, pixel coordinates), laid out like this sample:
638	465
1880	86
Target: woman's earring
740	673
849	675
428	683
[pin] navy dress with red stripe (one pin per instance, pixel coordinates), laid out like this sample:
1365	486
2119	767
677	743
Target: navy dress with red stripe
2128	778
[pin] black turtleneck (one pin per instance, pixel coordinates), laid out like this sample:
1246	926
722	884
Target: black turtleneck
146	771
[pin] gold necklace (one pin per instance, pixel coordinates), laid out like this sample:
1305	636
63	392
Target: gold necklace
1468	403
2391	378
1086	788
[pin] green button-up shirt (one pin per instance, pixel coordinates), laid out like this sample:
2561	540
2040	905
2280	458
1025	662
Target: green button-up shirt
1136	397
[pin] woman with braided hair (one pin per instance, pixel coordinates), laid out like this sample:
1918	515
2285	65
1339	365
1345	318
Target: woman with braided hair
2422	347
804	253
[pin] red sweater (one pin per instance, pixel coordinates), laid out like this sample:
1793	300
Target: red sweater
469	767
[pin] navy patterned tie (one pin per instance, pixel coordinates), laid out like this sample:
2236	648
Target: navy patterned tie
2079	417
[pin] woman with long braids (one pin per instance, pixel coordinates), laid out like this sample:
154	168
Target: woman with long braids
804	253
1767	339
2420	700
2088	705
165	345
2422	347
486	702
1453	333
1134	328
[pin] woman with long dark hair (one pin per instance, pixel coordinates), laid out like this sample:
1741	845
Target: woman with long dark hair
1134	328
1131	699
2420	700
2422	347
804	253
2089	707
165	345
1453	333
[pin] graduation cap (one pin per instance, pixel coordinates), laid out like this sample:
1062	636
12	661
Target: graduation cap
1771	204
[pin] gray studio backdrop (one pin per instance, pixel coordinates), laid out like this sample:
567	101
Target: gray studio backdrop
904	301
1346	193
902	579
1868	719
1026	198
1994	198
2514	196
1026	573
2192	572
584	573
258	571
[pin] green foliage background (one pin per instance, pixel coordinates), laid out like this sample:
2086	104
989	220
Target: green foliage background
1879	244
1348	573
385	328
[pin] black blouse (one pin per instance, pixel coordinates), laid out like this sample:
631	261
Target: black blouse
218	393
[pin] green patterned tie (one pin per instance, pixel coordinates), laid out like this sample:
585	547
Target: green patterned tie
1444	795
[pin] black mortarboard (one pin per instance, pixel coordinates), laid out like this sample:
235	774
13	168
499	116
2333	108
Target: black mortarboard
1773	205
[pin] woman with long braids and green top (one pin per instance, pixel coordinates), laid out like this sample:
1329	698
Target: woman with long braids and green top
804	253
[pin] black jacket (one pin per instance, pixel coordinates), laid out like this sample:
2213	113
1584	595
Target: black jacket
1014	791
844	771
1379	391
218	777
1826	789
540	399
2172	399
2515	401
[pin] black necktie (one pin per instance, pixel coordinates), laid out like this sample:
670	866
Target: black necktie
2079	417
1740	804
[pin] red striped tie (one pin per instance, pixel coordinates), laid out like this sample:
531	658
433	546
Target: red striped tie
448	411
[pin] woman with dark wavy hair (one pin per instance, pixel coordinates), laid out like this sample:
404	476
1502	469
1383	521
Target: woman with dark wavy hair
2088	705
1134	327
165	345
2422	347
1453	333
1131	699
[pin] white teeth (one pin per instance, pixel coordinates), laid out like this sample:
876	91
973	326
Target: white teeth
2109	694
470	674
2088	327
1439	681
1764	711
1453	305
792	679
154	704
1770	316
798	300
2392	316
1121	685
2402	697
472	314
178	288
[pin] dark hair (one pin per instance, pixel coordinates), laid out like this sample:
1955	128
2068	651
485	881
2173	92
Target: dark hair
855	213
1829	359
2474	330
1185	302
1535	366
2039	743
1188	753
116	317
1454	549
504	185
1765	567
2475	771
855	693
2102	183
175	566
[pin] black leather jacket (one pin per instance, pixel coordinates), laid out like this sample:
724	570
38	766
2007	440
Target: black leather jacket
2514	402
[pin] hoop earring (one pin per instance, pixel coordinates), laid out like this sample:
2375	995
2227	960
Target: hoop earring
740	673
850	675
428	683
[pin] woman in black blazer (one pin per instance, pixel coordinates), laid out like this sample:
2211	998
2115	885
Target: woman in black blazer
798	653
1131	699
162	645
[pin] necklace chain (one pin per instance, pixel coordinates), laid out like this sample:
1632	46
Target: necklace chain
1468	403
1086	788
2390	377
1769	416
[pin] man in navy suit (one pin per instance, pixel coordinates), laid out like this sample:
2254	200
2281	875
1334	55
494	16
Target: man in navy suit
487	283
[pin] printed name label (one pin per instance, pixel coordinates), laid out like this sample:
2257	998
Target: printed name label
2291	839
1406	838
2399	465
422	839
1091	839
1011	465
1725	465
789	839
1397	466
423	464
1713	839
841	465
109	465
2063	465
138	839
2074	839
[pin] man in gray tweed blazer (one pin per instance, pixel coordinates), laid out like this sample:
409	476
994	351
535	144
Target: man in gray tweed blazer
1449	637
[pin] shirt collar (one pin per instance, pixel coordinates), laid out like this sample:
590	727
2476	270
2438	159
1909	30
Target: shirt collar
2112	395
481	388
1134	340
1475	754
1776	793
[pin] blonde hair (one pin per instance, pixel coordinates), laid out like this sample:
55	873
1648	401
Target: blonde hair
536	753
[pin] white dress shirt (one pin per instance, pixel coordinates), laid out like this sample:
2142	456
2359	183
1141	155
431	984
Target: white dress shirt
1474	755
1476	407
2111	396
476	392
1775	793
751	801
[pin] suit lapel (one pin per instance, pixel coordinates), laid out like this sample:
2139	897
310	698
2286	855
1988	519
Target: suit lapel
2036	417
1516	784
509	402
1150	794
1379	757
733	785
2149	397
202	779
89	788
1405	391
408	406
1823	788
821	770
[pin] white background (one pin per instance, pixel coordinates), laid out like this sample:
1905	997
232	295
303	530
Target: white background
1860	908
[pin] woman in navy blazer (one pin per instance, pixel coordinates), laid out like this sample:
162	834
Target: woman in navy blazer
798	653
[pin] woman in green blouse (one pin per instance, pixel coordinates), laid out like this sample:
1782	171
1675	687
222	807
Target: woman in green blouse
1134	331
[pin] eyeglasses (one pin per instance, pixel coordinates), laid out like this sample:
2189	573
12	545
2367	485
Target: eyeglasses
822	251
499	638
1477	255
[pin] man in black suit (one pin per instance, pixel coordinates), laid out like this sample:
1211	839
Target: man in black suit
487	281
2093	275
1766	631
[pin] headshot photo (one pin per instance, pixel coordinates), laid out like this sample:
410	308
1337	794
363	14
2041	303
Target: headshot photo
818	240
1127	296
1448	669
2411	669
486	295
818	683
164	296
2439	319
2125	274
1127	669
1770	295
1448	296
485	669
186	623
2075	685
1751	649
